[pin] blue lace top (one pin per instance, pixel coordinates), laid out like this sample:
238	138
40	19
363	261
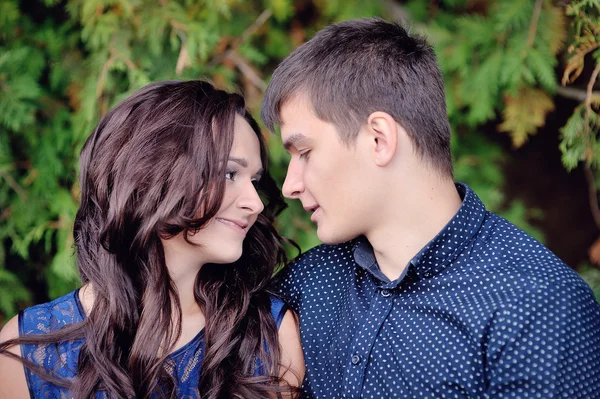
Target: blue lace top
61	358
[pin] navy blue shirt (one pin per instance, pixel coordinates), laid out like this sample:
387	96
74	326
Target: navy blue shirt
483	311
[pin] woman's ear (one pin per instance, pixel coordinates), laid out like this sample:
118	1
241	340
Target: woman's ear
383	131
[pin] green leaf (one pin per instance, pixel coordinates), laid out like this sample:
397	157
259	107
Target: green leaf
542	67
510	15
282	9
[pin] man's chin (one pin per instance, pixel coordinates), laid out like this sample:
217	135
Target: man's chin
331	238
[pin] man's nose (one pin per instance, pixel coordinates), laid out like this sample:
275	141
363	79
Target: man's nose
293	185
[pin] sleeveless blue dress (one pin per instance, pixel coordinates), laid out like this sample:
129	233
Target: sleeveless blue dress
61	358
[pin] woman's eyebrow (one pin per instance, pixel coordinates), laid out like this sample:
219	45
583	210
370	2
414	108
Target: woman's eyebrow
240	161
244	163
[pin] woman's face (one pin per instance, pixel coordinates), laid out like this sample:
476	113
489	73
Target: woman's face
221	240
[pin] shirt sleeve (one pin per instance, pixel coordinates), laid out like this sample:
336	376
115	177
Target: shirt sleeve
545	344
288	284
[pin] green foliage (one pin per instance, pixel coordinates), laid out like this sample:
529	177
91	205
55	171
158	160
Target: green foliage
502	50
580	138
492	63
63	64
478	162
592	277
580	141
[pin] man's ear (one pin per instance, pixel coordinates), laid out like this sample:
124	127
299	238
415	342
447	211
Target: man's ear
383	130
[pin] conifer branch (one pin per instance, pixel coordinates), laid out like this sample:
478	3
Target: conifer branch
183	60
591	23
174	23
100	83
593	190
588	101
13	184
123	58
260	21
239	62
534	23
114	55
247	71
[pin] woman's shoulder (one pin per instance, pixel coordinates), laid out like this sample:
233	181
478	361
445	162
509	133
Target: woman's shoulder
39	319
51	316
292	360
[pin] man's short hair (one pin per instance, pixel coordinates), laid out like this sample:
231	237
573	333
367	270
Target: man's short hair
353	68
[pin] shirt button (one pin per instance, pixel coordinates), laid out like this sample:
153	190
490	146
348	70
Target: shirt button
386	293
355	359
427	274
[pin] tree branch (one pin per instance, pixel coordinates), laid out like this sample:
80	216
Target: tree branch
577	94
588	103
262	18
260	21
183	61
13	184
590	23
590	87
534	23
247	71
102	76
589	175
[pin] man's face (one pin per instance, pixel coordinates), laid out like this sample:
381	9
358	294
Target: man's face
326	175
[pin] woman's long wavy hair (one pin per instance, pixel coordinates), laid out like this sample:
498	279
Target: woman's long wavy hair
155	163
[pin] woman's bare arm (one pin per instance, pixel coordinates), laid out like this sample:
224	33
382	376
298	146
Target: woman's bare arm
12	374
292	360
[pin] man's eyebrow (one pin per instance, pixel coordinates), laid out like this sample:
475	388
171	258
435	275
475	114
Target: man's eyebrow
292	140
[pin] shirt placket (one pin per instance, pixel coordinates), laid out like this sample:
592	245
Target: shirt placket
364	339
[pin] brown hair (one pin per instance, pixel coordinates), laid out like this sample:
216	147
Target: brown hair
152	163
353	68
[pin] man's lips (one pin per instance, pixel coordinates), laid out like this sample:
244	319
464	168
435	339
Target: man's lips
238	225
311	208
314	209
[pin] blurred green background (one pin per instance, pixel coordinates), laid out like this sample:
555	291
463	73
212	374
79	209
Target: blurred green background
522	95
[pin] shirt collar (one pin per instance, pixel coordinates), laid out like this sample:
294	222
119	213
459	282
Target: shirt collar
442	249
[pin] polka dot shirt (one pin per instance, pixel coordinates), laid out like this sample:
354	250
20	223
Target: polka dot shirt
483	311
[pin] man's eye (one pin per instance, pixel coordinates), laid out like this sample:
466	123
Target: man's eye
304	154
230	175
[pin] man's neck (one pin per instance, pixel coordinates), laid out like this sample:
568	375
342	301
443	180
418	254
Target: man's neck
411	221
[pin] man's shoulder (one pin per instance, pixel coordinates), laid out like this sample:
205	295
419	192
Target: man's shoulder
319	265
512	252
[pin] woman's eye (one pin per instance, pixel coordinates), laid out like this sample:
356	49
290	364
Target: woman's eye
230	175
304	155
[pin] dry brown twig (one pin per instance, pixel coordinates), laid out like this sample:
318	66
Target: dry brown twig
13	184
239	62
534	23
